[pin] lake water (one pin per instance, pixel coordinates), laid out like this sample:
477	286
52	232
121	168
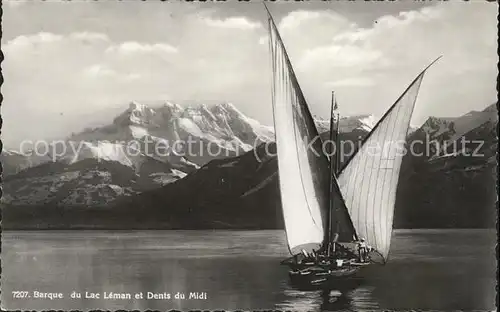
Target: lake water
427	270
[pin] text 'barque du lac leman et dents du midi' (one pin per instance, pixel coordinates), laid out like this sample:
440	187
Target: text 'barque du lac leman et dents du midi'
111	295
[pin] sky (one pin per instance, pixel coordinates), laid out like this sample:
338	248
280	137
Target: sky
69	65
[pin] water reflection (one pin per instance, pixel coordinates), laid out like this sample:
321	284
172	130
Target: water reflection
363	299
297	300
354	296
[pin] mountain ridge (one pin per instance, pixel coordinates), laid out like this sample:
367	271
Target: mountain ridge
120	190
222	126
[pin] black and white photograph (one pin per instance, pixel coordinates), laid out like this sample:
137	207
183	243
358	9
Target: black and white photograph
249	155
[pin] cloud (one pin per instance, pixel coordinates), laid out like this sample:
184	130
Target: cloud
195	56
339	56
56	69
133	47
30	42
352	82
89	36
238	22
99	70
13	3
294	19
301	18
385	57
304	30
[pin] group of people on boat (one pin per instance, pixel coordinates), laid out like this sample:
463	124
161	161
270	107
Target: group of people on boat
336	257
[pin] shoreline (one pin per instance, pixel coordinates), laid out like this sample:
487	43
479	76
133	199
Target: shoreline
87	229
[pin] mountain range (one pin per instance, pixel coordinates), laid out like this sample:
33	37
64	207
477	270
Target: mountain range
140	142
231	182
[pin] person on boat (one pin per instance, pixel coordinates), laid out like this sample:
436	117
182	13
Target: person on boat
362	250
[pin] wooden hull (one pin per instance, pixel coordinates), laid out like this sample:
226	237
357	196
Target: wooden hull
323	278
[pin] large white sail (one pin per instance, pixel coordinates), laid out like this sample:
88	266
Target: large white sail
303	167
369	181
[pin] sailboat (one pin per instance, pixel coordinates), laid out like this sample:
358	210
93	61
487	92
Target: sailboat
330	209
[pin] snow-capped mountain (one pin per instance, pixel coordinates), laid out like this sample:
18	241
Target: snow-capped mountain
458	126
183	135
151	147
452	128
348	124
168	133
214	132
446	131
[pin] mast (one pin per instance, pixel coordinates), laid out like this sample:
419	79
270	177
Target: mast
333	228
337	140
336	156
334	128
